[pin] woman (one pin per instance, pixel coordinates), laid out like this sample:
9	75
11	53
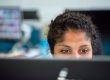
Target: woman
73	35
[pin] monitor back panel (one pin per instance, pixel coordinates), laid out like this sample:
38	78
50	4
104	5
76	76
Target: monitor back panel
25	69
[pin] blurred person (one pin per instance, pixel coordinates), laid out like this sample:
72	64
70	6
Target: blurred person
73	35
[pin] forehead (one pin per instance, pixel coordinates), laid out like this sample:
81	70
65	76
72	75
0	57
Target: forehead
75	36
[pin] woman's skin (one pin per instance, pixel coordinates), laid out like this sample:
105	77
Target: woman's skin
75	44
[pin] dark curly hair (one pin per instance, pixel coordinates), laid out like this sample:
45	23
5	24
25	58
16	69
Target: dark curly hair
73	20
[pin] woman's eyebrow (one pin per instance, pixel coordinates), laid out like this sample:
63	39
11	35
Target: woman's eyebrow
84	45
64	45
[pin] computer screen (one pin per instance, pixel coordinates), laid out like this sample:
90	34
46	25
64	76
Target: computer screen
55	69
10	21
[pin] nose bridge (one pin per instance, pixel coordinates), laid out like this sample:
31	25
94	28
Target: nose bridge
75	54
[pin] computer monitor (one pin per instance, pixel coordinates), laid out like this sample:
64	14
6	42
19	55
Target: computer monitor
54	69
10	21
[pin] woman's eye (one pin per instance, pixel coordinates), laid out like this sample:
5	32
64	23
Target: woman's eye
65	51
83	51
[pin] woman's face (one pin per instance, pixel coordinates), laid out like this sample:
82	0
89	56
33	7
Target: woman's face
75	44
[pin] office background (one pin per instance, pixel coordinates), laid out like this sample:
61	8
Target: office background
37	14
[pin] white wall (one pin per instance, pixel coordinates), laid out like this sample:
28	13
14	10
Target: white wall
48	9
